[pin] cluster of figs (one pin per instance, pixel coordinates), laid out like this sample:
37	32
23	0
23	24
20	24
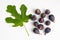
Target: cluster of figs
38	24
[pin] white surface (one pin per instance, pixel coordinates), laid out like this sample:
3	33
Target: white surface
7	32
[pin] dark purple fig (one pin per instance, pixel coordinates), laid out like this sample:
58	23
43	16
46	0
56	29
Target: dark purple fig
36	30
47	30
43	15
40	26
41	20
47	11
37	11
33	17
35	24
47	23
52	18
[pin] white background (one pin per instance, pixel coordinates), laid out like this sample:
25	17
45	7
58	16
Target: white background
7	32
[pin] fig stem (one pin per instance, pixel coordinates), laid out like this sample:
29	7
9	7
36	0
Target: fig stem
26	30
